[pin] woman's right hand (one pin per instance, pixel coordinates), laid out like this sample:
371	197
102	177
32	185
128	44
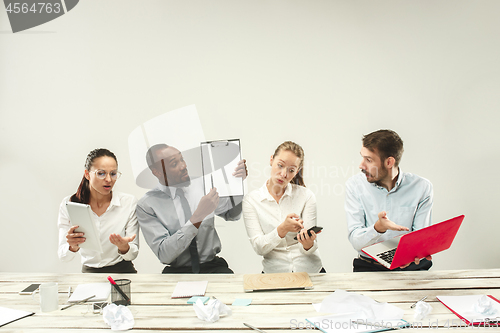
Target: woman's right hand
292	223
74	239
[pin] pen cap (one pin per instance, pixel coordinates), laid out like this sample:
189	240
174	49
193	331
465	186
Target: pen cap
117	297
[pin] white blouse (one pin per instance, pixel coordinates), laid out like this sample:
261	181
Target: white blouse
262	215
119	218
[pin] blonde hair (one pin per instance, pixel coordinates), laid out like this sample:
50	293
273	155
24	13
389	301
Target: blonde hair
299	152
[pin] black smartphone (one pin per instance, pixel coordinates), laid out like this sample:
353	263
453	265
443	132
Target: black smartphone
29	289
315	229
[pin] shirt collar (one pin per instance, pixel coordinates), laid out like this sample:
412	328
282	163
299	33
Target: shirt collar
171	190
166	189
401	177
264	193
115	200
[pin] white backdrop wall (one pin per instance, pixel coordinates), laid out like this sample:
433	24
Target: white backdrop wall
321	73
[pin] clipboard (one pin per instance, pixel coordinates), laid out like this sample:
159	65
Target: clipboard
219	160
462	307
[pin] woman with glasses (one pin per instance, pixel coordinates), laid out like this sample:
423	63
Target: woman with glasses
114	213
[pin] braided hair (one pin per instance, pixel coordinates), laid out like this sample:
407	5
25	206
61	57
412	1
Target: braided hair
82	195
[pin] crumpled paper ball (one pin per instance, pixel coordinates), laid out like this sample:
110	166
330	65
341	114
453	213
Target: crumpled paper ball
484	306
118	317
212	311
422	309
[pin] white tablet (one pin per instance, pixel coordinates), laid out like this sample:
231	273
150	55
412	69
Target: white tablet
82	216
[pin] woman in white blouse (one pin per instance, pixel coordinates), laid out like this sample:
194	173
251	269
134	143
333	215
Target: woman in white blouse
114	213
280	209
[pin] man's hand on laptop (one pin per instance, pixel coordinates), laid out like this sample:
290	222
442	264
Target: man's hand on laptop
383	224
417	261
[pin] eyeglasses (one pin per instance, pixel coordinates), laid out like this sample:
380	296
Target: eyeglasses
101	174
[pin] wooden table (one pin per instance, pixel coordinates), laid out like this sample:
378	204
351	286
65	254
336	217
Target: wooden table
283	311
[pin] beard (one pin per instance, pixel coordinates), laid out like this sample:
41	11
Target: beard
381	174
186	183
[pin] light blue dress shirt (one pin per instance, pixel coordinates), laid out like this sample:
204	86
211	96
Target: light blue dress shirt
408	204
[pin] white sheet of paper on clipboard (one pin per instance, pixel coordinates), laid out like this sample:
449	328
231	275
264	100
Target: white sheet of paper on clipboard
219	160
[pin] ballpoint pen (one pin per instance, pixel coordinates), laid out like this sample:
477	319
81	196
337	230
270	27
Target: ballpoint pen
254	328
125	297
414	304
79	302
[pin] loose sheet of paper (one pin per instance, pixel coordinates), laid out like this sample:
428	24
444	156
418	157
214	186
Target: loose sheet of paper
9	315
342	301
352	312
82	291
189	289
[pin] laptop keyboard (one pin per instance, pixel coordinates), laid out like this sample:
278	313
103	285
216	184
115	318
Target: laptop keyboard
387	255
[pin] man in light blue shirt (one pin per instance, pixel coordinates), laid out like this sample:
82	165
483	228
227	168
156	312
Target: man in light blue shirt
383	202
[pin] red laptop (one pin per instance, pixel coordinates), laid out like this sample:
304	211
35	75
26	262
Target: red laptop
403	249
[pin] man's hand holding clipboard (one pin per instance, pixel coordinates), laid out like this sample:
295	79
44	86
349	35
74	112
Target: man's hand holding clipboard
223	167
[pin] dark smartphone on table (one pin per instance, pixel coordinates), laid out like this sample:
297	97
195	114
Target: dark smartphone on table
30	289
315	229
